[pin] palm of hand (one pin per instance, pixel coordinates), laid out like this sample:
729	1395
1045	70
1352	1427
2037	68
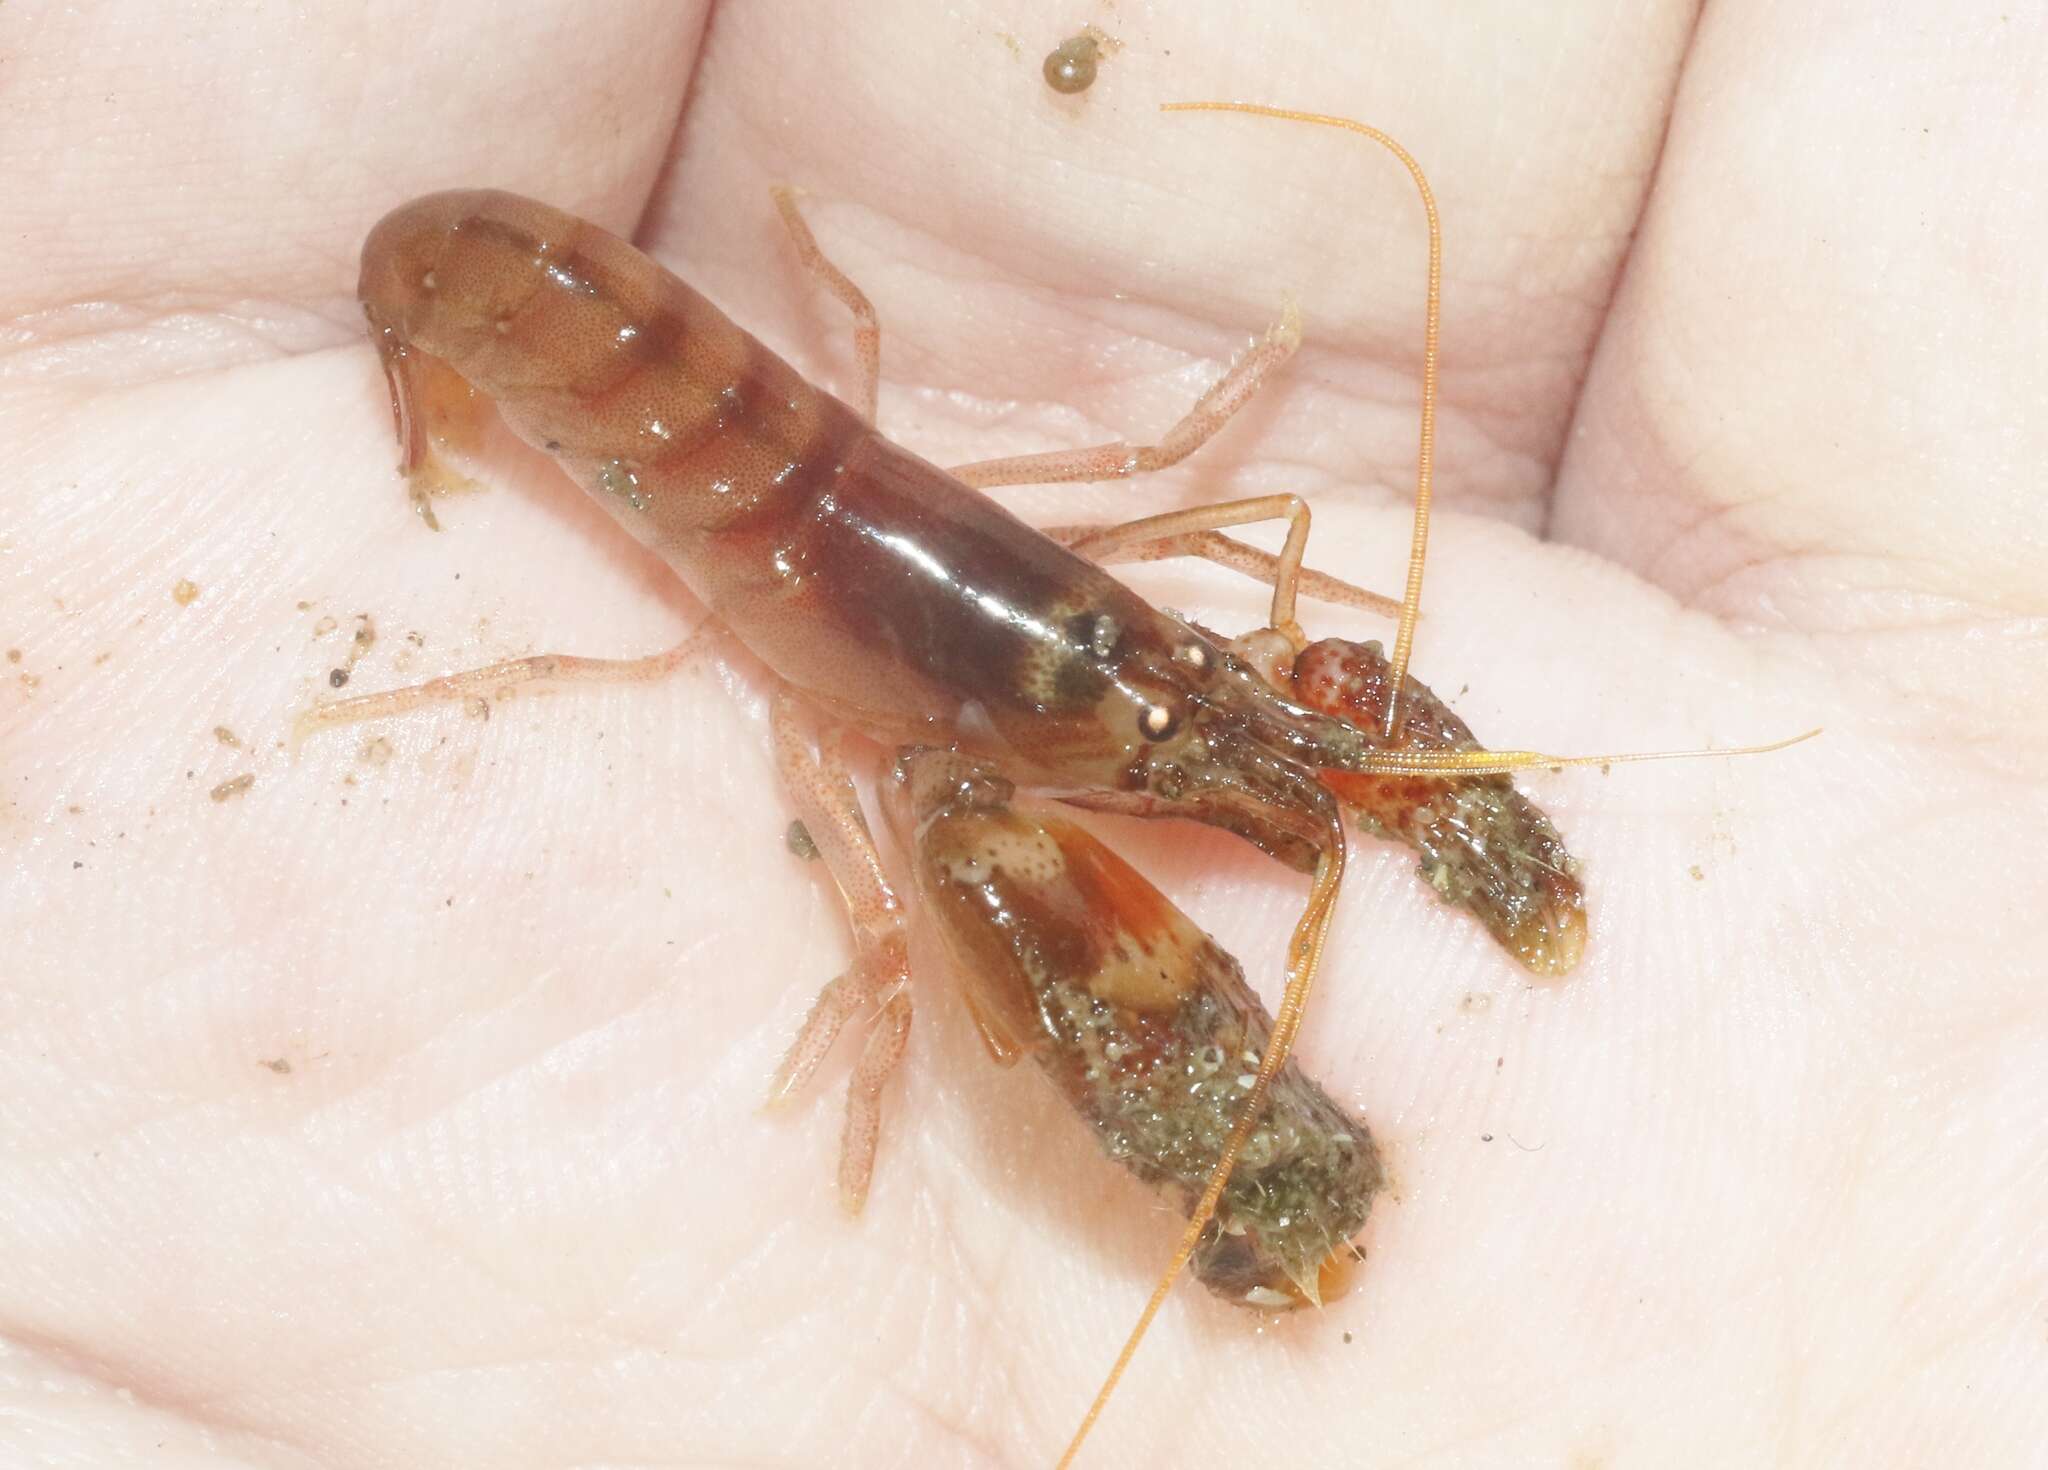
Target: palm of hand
400	1109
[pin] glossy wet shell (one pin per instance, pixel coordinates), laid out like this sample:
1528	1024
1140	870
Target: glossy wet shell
892	595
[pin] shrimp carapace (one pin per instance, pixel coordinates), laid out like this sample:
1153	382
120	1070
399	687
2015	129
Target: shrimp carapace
890	595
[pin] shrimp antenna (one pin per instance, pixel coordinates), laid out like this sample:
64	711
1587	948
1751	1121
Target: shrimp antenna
1425	468
1305	946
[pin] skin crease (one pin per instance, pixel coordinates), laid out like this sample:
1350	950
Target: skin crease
401	1109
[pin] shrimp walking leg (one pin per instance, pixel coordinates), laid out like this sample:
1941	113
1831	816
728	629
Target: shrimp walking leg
1105	541
482	687
1118	460
1106	461
867	327
1224	551
879	977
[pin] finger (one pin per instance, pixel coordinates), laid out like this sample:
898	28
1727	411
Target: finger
1817	404
155	160
1067	278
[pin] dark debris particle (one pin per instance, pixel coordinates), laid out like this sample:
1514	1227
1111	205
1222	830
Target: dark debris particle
1070	67
337	677
232	787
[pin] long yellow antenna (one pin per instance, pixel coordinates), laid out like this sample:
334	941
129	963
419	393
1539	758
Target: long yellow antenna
1304	955
1418	542
1483	762
1305	947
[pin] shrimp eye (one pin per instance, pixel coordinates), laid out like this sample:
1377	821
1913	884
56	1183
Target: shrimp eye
1158	721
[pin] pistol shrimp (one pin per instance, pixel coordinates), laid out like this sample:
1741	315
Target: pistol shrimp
891	598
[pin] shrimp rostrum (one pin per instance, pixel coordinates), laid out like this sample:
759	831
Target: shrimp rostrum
890	598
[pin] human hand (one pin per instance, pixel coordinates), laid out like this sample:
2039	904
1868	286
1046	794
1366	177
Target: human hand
401	1107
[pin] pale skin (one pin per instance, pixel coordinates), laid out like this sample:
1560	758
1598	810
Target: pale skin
402	1108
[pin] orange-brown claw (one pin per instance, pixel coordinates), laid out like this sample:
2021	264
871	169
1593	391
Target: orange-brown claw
1484	846
1143	1022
